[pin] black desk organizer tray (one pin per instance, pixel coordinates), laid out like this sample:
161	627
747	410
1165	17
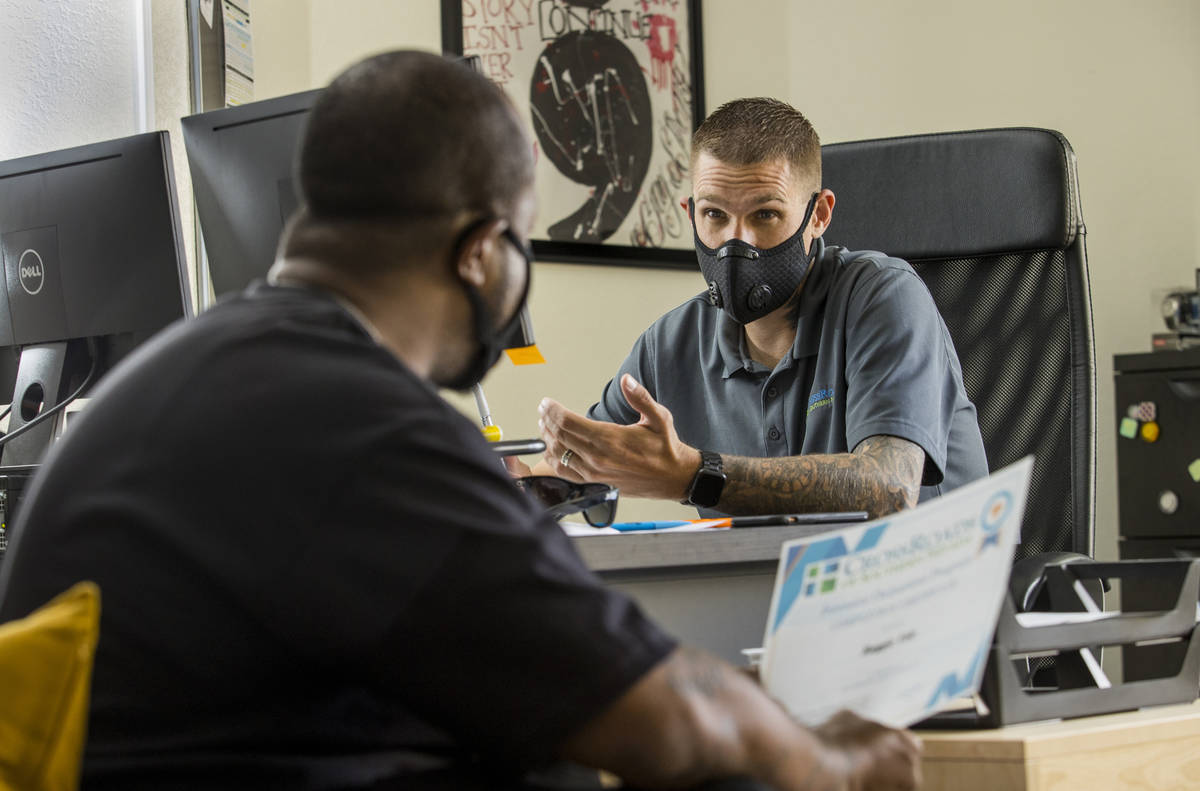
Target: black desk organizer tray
1009	699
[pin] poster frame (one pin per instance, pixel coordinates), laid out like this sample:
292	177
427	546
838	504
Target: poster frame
612	254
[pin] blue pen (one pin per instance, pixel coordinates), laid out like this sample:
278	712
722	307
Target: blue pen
631	526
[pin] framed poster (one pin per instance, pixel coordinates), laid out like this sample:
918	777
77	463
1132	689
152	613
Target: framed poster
612	92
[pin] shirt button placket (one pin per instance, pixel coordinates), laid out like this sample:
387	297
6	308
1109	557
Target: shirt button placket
772	414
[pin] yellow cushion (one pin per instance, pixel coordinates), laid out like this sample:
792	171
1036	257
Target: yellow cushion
45	683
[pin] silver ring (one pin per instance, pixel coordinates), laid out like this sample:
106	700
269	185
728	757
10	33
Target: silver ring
565	459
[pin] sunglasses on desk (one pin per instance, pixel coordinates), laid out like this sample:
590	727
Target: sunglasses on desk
597	501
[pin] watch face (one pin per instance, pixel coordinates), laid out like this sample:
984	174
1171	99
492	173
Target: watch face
706	488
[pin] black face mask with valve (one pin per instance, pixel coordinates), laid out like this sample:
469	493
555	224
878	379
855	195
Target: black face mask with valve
748	282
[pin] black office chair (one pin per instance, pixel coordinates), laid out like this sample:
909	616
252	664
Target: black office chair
991	221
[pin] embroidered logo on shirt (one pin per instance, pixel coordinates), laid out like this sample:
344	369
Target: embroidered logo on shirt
819	399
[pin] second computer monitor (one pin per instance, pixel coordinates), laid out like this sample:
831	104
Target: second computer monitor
241	160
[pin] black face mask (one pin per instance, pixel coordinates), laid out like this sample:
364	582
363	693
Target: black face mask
492	340
748	282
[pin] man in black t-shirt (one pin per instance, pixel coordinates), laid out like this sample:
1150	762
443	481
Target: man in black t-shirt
315	573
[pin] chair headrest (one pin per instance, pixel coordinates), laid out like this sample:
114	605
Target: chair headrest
955	194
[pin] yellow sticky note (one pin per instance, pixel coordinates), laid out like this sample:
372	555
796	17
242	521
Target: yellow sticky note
525	355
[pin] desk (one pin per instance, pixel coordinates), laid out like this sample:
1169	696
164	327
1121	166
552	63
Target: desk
709	589
1156	748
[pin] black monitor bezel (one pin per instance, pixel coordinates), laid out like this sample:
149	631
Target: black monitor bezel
202	136
73	360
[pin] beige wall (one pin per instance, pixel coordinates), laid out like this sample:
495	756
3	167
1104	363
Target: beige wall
302	44
345	30
69	74
283	47
1121	81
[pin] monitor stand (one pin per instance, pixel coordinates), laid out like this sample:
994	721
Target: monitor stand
39	380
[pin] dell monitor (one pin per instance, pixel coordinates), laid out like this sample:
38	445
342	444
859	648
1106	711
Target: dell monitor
241	159
93	265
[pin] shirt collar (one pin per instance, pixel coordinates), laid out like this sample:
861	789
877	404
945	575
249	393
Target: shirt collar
731	344
359	317
352	310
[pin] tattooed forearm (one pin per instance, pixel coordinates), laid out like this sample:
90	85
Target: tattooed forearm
898	467
881	476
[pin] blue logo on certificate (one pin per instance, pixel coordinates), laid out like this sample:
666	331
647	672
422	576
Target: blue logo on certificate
995	512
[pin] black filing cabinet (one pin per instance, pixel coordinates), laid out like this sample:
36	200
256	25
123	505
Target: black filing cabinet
1158	473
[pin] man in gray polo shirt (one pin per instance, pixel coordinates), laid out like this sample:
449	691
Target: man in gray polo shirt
807	378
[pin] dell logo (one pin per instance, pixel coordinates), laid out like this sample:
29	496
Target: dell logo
33	274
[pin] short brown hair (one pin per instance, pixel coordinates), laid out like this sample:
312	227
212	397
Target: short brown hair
751	131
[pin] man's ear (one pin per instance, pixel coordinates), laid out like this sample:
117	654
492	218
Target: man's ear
822	212
476	250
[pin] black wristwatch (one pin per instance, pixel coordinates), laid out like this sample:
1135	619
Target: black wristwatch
708	483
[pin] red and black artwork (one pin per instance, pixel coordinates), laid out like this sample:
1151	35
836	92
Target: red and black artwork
611	93
591	112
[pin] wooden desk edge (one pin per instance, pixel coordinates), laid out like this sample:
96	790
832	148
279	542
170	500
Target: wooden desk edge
1049	738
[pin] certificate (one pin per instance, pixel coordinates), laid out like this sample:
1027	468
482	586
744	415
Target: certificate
894	618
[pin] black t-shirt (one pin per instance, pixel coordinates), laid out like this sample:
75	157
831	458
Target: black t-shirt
314	572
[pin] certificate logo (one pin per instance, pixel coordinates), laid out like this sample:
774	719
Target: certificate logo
814	569
822	578
995	513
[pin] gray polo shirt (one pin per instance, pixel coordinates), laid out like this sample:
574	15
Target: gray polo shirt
871	356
